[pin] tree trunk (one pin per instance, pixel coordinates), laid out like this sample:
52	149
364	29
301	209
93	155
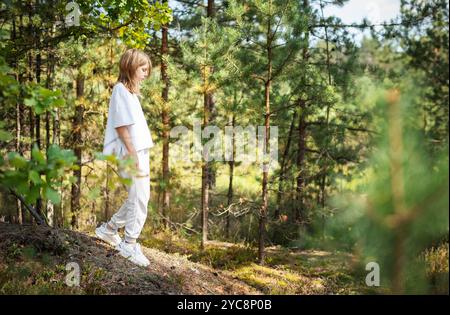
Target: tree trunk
77	143
38	126
166	127
207	98
47	130
58	209
283	166
19	209
299	214
108	168
230	183
324	174
265	197
210	13
263	212
38	118
205	186
31	112
20	218
212	117
299	211
50	207
210	10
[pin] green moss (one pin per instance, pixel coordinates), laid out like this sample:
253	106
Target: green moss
31	277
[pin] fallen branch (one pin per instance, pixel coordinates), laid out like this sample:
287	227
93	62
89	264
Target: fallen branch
39	220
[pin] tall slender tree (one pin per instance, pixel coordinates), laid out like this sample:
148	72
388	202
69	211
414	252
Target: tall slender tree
165	116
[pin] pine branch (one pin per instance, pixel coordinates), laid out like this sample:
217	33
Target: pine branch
358	129
367	25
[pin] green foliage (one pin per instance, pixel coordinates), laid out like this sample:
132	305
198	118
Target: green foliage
277	26
43	100
402	207
4	135
426	46
124	165
41	175
9	88
130	20
9	92
211	46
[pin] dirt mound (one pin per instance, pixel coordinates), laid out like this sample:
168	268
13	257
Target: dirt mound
103	271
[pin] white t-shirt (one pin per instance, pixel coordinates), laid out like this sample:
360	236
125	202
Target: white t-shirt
125	110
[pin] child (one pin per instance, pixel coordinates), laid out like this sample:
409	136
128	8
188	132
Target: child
128	136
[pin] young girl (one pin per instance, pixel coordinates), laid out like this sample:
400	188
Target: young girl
128	136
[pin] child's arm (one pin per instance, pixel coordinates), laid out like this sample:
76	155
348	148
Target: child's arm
124	135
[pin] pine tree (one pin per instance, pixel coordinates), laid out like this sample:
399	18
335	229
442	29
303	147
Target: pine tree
269	43
402	207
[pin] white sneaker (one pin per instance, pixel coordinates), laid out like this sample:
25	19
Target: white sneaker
133	253
108	236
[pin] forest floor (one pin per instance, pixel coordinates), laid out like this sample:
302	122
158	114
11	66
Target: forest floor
286	270
33	260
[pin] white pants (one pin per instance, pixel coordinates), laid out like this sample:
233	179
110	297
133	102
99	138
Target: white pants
133	212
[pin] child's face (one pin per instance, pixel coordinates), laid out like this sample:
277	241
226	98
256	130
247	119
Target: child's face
141	72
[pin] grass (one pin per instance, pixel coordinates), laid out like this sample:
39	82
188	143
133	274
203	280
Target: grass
288	271
37	268
436	259
285	272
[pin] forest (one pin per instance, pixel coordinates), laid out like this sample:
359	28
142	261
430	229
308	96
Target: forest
294	153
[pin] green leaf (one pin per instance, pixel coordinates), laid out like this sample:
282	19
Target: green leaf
46	92
37	155
5	136
33	194
34	177
52	174
17	160
94	193
39	109
59	102
31	102
21	188
52	195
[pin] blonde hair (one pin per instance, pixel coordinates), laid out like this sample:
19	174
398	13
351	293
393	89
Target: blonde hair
128	64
